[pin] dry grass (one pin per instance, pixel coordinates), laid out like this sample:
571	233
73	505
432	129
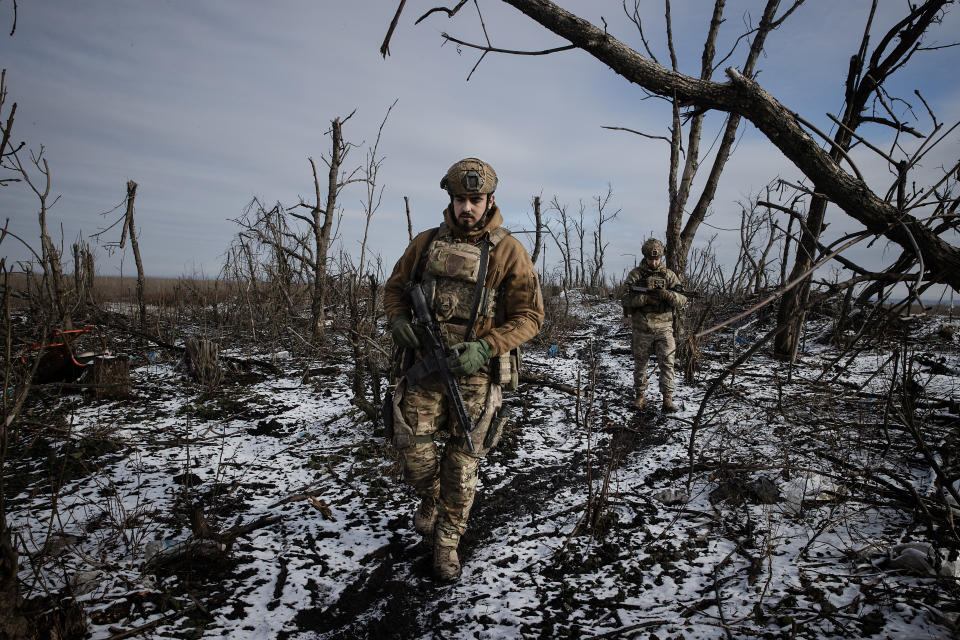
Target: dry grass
157	291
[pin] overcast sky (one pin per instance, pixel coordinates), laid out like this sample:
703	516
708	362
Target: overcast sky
208	104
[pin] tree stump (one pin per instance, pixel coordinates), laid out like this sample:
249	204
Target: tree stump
203	362
110	377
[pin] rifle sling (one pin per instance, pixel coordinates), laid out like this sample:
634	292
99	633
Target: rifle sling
478	290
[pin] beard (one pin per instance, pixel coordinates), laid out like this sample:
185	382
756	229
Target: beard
481	221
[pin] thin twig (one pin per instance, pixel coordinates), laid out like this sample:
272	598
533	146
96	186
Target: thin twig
450	12
645	135
544	52
836	147
861	139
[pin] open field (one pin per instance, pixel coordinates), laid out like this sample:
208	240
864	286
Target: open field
160	292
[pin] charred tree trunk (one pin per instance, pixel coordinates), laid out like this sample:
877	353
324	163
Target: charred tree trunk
52	268
135	247
406	205
538	233
203	362
83	277
13	624
110	377
322	226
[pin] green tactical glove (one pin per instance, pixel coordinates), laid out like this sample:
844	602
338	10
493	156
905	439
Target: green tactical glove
403	335
468	357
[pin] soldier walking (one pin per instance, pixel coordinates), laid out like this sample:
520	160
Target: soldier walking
651	312
483	293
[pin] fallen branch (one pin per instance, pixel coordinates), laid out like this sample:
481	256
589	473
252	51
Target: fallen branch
269	366
543	381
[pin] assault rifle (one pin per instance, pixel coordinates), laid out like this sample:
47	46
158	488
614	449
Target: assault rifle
660	283
434	358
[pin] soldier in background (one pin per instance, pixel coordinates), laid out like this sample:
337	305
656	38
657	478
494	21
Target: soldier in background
482	289
651	314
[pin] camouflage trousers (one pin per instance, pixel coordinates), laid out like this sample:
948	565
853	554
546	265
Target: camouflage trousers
657	340
449	476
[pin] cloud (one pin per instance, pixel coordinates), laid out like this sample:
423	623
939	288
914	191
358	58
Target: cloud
208	104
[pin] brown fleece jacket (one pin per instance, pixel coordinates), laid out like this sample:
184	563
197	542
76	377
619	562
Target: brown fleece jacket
510	272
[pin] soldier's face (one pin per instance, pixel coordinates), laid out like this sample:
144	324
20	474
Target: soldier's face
468	211
653	262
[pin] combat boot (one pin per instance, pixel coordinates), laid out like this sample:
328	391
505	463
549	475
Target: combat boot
425	519
668	406
640	402
446	563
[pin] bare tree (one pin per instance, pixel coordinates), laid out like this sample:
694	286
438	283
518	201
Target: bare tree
864	83
362	302
680	235
599	246
562	239
6	129
51	309
129	229
310	249
83	275
758	236
579	228
52	268
13	623
742	96
321	219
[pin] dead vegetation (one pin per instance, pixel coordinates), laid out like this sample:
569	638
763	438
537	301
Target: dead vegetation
151	489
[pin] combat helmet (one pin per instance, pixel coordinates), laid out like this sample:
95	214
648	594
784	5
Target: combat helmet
652	249
469	176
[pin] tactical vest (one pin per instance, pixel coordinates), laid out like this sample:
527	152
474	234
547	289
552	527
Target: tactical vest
656	280
453	281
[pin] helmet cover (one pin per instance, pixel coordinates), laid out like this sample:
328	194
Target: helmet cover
470	176
652	249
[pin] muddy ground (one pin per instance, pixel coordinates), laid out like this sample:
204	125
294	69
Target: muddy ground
591	520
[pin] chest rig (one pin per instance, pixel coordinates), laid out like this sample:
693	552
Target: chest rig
454	282
655	279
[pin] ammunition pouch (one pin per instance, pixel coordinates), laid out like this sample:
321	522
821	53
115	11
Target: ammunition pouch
505	369
450	282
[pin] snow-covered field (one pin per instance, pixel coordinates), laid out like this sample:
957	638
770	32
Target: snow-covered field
591	521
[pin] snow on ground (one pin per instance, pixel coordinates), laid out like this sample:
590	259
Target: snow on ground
591	520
